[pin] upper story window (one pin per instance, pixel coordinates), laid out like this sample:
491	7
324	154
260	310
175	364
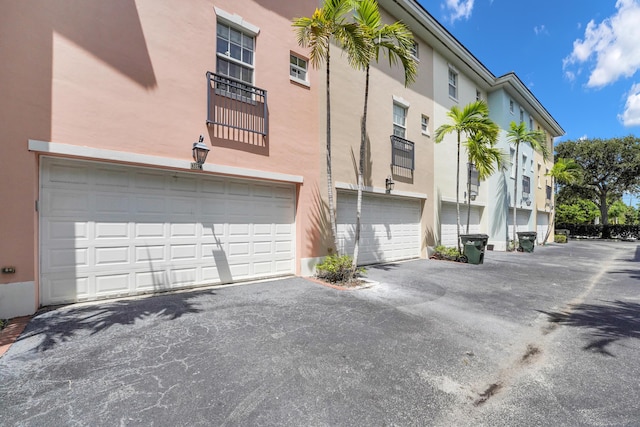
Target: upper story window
511	106
530	123
512	156
235	53
453	84
414	50
399	120
478	95
521	115
298	69
424	124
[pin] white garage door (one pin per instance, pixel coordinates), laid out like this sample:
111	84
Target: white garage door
522	218
543	226
390	227
448	227
110	230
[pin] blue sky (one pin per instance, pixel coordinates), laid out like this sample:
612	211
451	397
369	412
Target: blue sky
580	58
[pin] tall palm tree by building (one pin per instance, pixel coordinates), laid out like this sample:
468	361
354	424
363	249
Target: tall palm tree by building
516	135
325	25
396	42
472	120
484	157
564	171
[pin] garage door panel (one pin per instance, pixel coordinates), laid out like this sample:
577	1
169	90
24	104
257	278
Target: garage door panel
149	234
448	223
390	227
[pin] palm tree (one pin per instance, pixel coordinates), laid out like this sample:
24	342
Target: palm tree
328	24
396	41
485	157
472	120
564	171
516	135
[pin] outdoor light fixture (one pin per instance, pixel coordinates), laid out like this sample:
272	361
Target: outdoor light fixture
528	202
473	196
388	184
200	151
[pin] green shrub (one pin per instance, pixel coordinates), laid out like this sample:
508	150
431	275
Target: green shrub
444	252
560	238
337	269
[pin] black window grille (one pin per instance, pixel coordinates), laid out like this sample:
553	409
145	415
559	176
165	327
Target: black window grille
402	153
236	105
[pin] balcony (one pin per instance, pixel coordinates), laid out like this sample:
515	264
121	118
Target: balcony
402	153
236	105
526	187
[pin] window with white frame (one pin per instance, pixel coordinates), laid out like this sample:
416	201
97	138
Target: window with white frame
234	53
414	50
530	123
424	124
521	115
531	166
453	84
524	163
512	156
539	175
399	120
298	69
511	106
478	95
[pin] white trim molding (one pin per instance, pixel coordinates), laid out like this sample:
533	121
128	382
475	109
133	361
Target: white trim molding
236	21
380	190
55	148
401	101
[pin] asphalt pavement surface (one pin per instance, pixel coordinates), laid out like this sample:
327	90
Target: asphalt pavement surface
525	339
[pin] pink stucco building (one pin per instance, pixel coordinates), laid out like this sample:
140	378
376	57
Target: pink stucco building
101	102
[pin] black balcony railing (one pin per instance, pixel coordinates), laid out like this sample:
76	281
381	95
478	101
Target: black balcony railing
236	105
526	187
402	153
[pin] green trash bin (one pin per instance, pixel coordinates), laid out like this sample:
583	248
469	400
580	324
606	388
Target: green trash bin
473	246
526	241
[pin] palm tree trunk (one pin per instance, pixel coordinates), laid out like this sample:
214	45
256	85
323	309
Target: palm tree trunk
468	194
458	195
515	193
332	216
363	145
552	214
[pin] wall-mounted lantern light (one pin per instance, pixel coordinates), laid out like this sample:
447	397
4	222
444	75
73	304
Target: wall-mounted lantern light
200	151
473	195
528	202
388	184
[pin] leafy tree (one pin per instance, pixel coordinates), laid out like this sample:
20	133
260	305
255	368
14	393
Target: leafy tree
316	33
485	157
563	172
395	41
516	135
617	212
472	120
580	212
610	167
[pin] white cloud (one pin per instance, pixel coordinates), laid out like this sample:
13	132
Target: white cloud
583	137
613	44
540	29
631	114
459	9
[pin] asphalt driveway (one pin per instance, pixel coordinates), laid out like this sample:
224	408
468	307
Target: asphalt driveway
549	338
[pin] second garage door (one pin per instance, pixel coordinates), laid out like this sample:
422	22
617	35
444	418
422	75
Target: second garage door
390	228
109	230
448	227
